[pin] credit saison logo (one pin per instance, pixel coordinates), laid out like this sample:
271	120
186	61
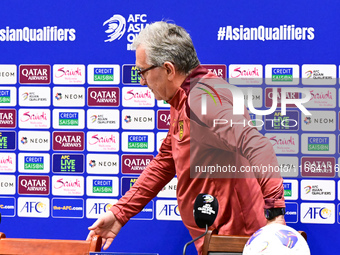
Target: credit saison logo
42	34
103	74
35	74
137	142
68	119
117	25
8	118
103	97
130	75
33	162
102	186
5	96
318	143
68	163
282	74
287	189
68	141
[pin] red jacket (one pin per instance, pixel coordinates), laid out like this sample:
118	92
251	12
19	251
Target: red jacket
195	142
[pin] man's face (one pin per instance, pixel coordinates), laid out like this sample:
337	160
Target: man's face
155	78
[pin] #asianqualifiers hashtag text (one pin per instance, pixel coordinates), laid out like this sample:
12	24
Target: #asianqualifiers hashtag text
283	32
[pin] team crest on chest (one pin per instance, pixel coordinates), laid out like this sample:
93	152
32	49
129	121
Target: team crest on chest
181	129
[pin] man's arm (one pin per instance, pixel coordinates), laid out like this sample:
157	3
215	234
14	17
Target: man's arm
155	176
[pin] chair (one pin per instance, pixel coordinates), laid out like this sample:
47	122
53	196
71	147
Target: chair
11	246
227	245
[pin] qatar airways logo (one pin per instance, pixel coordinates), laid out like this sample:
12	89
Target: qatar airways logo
284	143
69	74
103	97
246	74
102	141
34	118
138	97
64	141
214	91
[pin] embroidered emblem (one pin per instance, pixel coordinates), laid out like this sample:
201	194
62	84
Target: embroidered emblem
181	129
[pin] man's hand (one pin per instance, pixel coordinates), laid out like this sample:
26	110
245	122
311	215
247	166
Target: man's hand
107	226
278	219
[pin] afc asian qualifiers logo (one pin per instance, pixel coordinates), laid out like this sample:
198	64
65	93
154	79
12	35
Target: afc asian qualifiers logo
35	74
117	25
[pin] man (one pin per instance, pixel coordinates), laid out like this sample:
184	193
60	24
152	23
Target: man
170	68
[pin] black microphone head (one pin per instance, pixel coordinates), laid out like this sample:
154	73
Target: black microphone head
205	210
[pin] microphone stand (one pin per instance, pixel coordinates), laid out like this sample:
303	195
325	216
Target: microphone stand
186	245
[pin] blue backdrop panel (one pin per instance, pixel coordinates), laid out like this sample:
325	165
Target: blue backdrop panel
80	38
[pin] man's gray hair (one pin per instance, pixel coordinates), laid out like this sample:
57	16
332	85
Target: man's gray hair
163	42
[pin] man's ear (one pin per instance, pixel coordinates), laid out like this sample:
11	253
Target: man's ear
170	70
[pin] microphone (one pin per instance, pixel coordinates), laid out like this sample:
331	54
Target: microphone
205	213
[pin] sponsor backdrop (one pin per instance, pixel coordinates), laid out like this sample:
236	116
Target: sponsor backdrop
76	129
